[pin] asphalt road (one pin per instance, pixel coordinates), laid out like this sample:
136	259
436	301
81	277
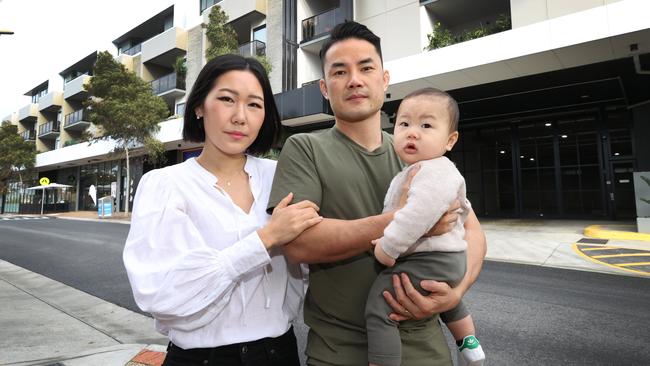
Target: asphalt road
525	315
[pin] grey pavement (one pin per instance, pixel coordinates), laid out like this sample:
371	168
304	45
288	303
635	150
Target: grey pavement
44	322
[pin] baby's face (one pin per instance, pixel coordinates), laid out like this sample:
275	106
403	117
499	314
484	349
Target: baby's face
422	129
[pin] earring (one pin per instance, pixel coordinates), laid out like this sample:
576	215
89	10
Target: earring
198	117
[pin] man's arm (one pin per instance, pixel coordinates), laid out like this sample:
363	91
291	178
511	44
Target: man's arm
408	303
333	240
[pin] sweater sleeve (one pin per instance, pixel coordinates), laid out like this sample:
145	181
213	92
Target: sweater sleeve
432	191
174	274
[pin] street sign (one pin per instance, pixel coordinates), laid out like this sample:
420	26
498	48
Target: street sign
44	181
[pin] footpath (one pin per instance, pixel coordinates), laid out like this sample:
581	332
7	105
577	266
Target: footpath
44	322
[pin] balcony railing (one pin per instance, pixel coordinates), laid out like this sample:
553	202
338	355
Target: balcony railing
133	50
254	48
321	24
75	117
48	128
28	135
167	83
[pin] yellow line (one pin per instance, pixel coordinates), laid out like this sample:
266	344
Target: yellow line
595	231
644	254
634	264
580	253
601	248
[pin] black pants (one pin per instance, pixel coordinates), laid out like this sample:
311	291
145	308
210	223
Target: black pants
280	351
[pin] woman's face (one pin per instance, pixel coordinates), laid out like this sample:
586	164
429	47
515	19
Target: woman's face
233	112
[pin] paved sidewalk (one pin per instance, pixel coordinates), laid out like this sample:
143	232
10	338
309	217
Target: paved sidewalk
44	322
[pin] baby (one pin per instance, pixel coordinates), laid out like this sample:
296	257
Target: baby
426	128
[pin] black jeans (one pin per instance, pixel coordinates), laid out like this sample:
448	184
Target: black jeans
280	351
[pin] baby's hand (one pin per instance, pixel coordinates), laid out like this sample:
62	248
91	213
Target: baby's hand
381	256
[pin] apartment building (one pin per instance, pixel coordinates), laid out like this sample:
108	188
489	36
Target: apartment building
554	98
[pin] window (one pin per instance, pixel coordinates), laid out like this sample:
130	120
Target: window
180	109
259	33
208	3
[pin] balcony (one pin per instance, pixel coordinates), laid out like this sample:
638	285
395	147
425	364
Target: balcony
252	49
316	29
133	50
28	113
237	10
49	130
75	89
76	121
28	135
303	106
51	102
163	49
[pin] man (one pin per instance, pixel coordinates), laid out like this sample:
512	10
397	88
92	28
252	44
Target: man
346	171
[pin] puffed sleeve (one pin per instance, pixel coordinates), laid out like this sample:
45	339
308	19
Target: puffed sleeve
174	275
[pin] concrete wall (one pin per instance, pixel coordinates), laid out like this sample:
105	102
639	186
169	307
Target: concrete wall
526	12
194	56
396	22
274	42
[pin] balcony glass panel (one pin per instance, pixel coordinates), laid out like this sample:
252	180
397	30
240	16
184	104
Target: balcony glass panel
133	50
51	126
76	116
254	48
320	24
167	83
28	135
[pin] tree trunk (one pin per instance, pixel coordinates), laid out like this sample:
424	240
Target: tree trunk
128	181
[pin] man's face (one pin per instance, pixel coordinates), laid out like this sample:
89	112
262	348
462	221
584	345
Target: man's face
354	80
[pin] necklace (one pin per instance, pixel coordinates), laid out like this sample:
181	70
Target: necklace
232	177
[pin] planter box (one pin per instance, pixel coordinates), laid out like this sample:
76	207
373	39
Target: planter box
642	190
643	224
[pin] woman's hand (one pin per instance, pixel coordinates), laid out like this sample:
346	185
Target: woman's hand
288	221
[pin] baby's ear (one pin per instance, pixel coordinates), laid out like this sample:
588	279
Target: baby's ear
451	141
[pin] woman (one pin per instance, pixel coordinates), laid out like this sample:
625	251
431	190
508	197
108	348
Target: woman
202	255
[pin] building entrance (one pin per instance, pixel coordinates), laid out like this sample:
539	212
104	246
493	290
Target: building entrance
571	167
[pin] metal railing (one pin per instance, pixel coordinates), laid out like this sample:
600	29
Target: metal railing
166	83
253	48
51	126
76	116
133	50
321	23
28	135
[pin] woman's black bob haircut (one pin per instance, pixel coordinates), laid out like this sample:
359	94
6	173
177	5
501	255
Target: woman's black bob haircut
193	128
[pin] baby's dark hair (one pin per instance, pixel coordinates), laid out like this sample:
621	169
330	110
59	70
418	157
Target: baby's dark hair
452	106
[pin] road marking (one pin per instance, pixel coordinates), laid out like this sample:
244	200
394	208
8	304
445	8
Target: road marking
25	218
623	260
600	248
635	264
643	254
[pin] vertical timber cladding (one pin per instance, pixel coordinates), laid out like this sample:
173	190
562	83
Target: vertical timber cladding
571	165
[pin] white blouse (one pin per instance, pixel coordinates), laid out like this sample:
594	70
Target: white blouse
196	263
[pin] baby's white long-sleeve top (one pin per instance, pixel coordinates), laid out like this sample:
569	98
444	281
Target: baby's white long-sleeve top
196	263
434	188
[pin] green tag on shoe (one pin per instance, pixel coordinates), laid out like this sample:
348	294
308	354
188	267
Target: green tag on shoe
469	342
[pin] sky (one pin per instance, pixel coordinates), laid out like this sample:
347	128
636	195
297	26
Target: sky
50	35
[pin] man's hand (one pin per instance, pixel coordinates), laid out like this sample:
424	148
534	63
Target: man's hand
381	255
447	221
407	185
409	303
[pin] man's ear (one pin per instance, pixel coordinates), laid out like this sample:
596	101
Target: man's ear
323	88
386	79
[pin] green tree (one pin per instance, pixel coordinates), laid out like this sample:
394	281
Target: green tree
17	157
222	37
126	110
